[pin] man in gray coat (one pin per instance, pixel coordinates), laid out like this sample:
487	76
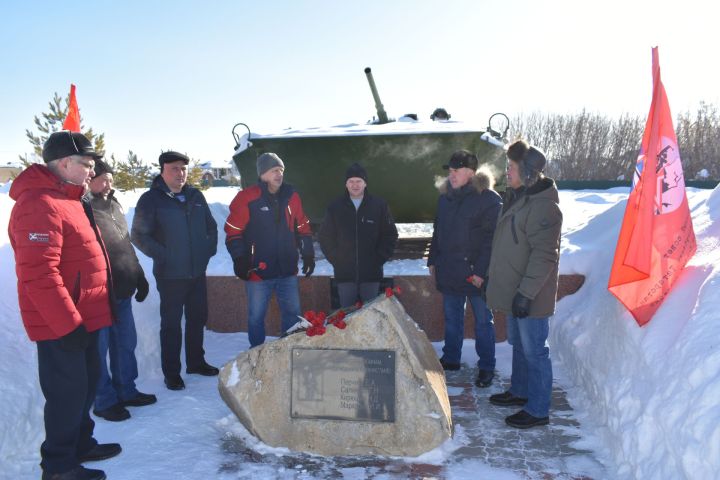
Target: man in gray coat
523	278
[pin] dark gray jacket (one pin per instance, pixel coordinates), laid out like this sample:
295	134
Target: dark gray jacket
124	264
179	236
358	242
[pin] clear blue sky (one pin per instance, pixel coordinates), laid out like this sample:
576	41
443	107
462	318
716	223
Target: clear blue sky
156	75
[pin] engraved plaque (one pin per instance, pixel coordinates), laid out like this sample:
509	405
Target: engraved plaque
335	384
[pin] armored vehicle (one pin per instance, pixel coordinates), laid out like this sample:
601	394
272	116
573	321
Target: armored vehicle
403	157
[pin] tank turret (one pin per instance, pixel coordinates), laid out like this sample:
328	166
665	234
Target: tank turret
382	116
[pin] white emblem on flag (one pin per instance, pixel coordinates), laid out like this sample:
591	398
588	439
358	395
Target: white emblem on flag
670	190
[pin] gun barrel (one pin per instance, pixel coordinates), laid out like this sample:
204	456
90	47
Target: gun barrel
382	116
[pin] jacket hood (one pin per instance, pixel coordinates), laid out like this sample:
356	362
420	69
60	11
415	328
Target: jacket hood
159	183
40	177
545	188
483	180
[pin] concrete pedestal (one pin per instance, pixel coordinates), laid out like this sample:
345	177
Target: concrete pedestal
228	306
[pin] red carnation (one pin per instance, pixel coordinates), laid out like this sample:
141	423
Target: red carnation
315	330
262	265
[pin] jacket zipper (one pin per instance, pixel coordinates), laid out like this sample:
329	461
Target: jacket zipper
188	214
512	228
357	253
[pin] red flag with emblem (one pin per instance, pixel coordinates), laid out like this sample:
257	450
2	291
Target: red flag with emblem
657	237
72	119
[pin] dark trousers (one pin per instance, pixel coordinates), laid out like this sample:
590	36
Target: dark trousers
178	297
349	292
68	380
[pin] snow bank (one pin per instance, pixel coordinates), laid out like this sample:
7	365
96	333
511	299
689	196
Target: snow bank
651	393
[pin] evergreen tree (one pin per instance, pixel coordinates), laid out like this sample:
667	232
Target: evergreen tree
52	121
195	174
131	174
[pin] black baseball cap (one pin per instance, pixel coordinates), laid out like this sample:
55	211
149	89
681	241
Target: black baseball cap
65	143
462	158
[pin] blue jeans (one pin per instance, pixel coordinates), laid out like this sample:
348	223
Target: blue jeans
120	339
531	367
454	307
258	298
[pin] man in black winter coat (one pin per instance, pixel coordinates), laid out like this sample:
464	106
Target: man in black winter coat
459	256
117	391
173	226
357	237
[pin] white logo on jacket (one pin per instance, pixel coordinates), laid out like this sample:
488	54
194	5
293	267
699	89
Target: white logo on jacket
39	237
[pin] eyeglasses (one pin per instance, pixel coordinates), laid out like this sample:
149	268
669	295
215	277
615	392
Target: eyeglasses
87	164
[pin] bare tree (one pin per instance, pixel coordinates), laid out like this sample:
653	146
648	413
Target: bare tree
591	146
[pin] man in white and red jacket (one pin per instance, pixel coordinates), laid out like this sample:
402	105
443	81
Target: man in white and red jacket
63	274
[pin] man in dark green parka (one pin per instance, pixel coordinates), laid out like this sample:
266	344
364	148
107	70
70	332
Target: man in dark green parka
523	277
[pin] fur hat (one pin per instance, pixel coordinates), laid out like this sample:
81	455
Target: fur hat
531	160
266	161
356	170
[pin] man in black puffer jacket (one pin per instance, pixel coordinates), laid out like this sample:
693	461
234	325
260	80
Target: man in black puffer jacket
118	391
459	256
173	226
357	237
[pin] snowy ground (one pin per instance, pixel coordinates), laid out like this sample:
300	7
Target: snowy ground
646	399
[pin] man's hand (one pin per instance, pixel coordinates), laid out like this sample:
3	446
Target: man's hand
476	281
520	306
142	288
308	266
241	267
75	341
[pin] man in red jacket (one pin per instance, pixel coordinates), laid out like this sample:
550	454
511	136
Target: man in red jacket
63	274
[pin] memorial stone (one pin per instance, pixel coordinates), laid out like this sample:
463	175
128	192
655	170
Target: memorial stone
375	387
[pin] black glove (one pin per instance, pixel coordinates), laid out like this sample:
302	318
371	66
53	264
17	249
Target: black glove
75	341
241	266
520	306
142	288
308	266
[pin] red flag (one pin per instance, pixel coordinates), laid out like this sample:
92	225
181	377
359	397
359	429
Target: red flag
72	119
657	237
